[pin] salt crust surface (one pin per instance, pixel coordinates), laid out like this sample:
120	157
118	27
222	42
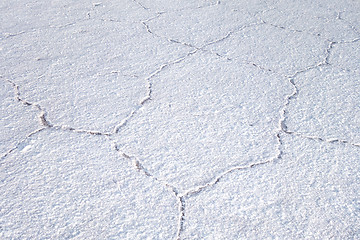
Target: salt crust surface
139	119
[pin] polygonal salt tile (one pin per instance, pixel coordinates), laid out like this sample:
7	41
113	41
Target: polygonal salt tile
206	115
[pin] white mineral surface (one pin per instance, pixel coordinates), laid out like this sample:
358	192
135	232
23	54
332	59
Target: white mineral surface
180	119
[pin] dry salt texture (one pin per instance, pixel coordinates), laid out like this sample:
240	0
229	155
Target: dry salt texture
201	119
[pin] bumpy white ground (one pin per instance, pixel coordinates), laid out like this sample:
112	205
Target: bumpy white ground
179	119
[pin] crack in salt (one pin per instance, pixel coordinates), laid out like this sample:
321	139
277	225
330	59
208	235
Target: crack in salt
141	169
291	29
176	10
213	182
22	141
9	35
148	97
296	90
198	189
322	139
6	35
84	131
181	217
338	17
42	115
141	5
137	164
148	29
201	48
43	121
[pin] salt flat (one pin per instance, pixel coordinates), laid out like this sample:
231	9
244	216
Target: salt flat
139	119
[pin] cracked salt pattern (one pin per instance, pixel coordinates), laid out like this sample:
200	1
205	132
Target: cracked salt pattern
141	119
232	127
82	190
282	200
